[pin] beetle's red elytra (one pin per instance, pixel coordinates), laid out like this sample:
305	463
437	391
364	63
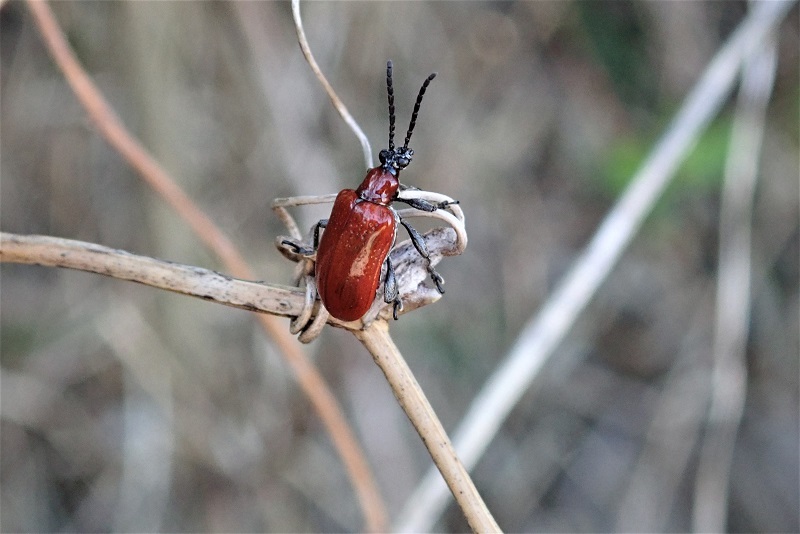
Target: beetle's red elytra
362	228
356	242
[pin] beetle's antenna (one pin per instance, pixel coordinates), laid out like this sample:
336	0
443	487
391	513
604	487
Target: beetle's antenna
416	107
390	91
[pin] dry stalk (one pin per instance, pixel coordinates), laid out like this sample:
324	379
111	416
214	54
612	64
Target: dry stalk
729	373
335	100
409	394
183	279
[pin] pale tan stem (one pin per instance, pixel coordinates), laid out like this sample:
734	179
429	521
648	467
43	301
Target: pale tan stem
337	102
184	279
409	394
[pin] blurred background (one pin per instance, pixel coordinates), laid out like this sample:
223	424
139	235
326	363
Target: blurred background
127	408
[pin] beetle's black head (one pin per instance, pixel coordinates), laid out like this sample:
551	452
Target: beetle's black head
397	159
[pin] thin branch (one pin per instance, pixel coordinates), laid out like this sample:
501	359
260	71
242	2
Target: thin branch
273	299
729	373
308	377
184	279
409	394
544	332
337	102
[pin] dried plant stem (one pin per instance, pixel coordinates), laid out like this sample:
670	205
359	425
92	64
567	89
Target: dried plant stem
729	373
337	102
184	279
545	331
377	340
309	379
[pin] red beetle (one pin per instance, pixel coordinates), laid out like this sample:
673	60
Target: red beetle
361	231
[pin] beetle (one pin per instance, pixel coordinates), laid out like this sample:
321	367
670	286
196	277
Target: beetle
362	227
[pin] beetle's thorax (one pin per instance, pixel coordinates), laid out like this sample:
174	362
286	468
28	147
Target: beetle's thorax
379	186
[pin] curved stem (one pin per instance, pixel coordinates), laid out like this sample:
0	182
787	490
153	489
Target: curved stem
337	102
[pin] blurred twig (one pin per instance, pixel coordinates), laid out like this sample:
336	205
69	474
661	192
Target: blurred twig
311	382
111	128
545	331
729	373
337	102
148	455
652	489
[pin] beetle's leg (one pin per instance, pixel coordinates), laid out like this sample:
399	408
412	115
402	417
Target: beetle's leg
299	249
323	223
422	248
424	205
390	293
303	250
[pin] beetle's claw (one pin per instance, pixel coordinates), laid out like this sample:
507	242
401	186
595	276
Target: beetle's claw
299	249
396	307
437	279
